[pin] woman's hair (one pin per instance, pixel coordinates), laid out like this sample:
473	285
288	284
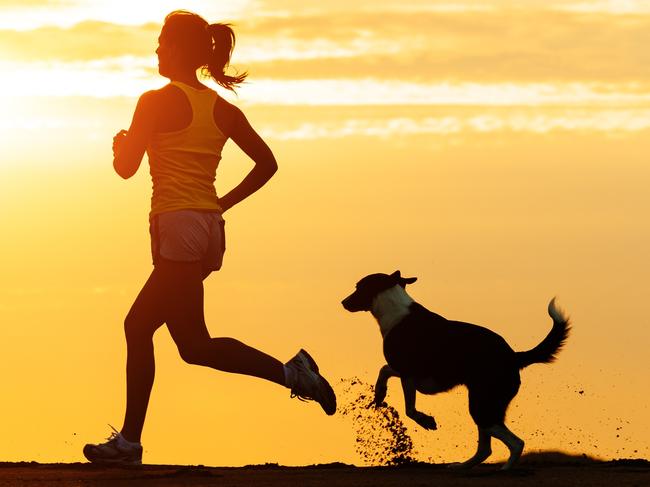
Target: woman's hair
203	45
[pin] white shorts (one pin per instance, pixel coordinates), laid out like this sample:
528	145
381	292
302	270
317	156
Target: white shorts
189	236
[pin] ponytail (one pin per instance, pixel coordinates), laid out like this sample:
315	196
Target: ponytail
205	46
223	43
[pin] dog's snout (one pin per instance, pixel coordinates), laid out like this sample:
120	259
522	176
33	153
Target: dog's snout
349	303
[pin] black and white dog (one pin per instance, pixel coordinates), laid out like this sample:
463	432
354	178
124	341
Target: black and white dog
432	354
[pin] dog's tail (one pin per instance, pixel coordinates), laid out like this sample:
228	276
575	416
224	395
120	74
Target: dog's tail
546	352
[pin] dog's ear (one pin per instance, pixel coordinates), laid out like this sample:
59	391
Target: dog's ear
403	281
407	280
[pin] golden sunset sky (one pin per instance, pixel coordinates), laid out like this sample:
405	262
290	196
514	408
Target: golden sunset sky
497	150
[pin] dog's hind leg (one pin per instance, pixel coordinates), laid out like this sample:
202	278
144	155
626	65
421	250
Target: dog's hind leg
488	402
381	386
483	451
513	442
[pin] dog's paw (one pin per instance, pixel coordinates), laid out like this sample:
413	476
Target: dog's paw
379	401
376	404
427	422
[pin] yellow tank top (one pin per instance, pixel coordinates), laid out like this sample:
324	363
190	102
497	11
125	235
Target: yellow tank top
183	163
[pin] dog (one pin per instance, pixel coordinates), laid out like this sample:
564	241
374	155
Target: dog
431	354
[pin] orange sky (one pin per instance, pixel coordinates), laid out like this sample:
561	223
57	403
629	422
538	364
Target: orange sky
498	153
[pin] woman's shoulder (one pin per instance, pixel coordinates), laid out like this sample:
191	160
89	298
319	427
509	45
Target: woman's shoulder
225	106
149	101
169	92
227	115
169	99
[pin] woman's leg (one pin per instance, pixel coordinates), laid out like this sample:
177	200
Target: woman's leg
186	323
144	318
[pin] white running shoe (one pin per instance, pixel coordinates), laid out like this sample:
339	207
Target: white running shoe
116	451
308	384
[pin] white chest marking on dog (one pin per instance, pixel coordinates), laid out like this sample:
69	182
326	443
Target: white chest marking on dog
390	306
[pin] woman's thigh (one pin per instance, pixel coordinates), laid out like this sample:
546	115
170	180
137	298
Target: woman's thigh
184	303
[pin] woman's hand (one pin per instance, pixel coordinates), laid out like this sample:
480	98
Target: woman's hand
129	147
118	140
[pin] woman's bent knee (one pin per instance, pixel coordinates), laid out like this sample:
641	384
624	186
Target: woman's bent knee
195	355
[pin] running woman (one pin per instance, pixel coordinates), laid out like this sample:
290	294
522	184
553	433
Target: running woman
183	128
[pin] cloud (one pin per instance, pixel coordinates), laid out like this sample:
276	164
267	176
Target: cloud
508	45
390	92
86	116
22	4
130	76
606	121
290	7
616	7
65	13
82	42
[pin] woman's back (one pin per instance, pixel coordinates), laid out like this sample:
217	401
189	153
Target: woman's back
185	148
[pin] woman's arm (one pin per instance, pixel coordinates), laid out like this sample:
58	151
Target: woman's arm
265	165
129	147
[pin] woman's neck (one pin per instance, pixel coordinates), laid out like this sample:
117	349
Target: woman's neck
187	78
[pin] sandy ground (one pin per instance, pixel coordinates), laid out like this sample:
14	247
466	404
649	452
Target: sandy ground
533	471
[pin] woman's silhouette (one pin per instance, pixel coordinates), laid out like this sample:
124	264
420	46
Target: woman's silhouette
183	127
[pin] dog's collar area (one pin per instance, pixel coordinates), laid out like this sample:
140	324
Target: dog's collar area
389	307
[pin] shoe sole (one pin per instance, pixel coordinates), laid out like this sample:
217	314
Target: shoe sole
329	401
110	461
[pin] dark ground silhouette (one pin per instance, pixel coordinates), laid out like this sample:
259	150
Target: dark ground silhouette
540	469
381	439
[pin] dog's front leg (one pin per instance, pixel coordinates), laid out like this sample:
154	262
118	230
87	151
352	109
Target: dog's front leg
424	420
381	387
